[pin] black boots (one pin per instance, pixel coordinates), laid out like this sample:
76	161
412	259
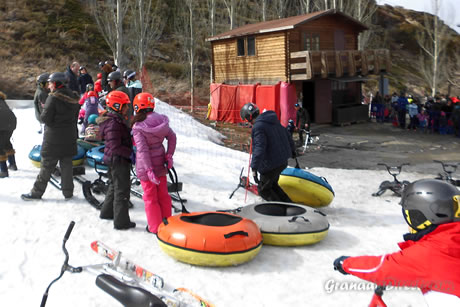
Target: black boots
3	169
12	163
30	196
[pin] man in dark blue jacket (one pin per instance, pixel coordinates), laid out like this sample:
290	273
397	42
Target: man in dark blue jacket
272	146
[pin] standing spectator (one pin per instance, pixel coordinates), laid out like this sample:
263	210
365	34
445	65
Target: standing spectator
41	93
72	77
60	138
413	112
7	127
117	156
377	107
84	79
97	84
106	70
302	121
272	146
132	83
422	119
150	129
386	108
402	110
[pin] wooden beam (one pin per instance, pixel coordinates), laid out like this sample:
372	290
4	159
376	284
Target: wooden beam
299	54
300	77
351	63
323	65
338	65
308	70
364	62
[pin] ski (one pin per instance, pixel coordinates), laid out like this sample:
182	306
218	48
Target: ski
142	275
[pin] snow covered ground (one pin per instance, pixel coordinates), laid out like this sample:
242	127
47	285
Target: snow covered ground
32	232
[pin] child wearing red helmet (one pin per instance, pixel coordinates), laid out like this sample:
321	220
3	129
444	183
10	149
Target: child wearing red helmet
117	156
152	160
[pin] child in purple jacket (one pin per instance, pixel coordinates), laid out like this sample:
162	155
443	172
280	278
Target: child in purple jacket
152	161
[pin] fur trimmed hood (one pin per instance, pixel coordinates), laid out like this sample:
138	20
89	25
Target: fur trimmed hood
2	95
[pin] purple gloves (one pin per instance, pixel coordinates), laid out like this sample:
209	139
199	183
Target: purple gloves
152	177
169	160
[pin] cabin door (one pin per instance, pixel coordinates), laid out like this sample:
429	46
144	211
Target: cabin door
308	93
339	40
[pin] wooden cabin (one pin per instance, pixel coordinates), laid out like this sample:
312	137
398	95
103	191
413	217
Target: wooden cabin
317	52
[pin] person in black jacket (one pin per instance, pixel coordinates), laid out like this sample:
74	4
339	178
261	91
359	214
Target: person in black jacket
272	146
7	126
302	121
41	93
71	74
59	139
84	79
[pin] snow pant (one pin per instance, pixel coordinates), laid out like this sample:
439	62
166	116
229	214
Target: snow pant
157	202
116	202
268	187
402	118
413	122
6	148
48	165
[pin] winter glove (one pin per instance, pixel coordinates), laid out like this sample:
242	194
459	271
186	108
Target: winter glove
133	158
169	160
338	264
152	177
255	176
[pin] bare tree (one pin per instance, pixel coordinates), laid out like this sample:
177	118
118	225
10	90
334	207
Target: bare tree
232	9
109	15
146	28
432	42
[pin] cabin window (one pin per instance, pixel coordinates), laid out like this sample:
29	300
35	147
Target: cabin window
246	46
310	41
338	86
251	45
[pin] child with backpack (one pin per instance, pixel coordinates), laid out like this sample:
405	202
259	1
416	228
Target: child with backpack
91	106
150	129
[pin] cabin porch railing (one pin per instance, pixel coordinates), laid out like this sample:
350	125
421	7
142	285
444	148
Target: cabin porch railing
306	65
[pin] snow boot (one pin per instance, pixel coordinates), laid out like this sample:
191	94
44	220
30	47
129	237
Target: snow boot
12	163
30	196
3	169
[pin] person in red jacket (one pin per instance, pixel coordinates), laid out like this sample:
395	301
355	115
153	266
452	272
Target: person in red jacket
429	258
97	84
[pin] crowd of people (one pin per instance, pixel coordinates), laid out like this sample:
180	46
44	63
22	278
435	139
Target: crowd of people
439	114
113	110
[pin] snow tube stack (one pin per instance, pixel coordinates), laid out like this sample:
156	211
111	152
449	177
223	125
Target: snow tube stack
306	188
95	157
287	224
210	238
35	156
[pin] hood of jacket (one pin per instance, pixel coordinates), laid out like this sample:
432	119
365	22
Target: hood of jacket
66	94
154	123
268	117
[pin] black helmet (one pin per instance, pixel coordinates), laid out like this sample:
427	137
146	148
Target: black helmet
249	111
82	67
430	201
89	87
129	74
58	77
43	78
114	76
101	64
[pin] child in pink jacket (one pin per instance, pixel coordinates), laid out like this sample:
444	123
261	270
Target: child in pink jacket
152	160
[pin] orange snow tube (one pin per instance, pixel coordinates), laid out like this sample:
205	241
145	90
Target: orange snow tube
210	238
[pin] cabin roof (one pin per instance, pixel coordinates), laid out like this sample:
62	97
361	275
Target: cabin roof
281	24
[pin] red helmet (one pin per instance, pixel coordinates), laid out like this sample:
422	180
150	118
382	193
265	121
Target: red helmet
116	99
99	76
143	101
92	94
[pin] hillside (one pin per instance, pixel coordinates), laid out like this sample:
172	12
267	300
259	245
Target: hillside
45	35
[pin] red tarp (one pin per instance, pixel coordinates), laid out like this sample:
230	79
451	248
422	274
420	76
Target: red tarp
288	98
227	100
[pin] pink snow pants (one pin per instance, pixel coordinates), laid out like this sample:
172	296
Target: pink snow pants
157	202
